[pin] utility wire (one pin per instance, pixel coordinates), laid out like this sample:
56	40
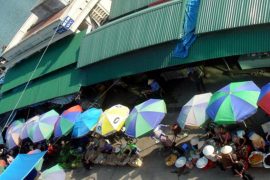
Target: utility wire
27	84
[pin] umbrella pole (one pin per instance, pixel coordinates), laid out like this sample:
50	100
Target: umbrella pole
245	124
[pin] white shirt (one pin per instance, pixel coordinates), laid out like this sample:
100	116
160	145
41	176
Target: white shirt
158	131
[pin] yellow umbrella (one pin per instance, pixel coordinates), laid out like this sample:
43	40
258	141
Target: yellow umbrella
112	120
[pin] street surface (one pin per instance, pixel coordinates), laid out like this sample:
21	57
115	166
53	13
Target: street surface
154	167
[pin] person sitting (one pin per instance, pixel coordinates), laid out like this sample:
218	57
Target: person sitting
196	148
257	141
227	158
154	91
161	137
210	154
159	133
224	136
242	148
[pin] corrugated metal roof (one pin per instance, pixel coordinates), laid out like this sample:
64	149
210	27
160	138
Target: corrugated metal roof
13	14
121	7
149	27
207	46
57	84
58	55
217	15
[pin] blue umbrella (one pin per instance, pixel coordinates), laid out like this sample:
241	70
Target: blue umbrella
86	122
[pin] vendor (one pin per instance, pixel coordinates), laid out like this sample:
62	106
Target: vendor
209	153
196	148
154	90
239	139
242	148
257	141
227	158
159	134
224	136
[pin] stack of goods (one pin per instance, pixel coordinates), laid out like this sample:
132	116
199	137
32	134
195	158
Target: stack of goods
256	158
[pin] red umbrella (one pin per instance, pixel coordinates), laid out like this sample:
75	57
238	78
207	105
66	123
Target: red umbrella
264	98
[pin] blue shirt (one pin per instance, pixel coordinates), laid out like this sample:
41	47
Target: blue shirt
154	86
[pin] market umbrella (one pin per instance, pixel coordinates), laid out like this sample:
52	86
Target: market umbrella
43	128
25	129
264	98
55	172
87	122
193	113
13	134
21	166
145	117
112	120
65	123
40	162
234	103
1	137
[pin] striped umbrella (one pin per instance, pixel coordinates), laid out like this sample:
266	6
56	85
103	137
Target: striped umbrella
13	134
1	137
112	120
145	117
264	98
234	103
193	113
86	122
43	128
25	129
65	123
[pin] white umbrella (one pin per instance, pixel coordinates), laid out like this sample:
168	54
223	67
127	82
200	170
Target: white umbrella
193	113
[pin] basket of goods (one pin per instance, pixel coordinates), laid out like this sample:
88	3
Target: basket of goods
266	161
170	160
256	158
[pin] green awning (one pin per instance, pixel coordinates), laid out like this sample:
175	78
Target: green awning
146	28
121	7
216	15
58	55
60	83
207	46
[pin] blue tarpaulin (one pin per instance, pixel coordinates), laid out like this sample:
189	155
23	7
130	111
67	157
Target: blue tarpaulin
21	166
190	19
